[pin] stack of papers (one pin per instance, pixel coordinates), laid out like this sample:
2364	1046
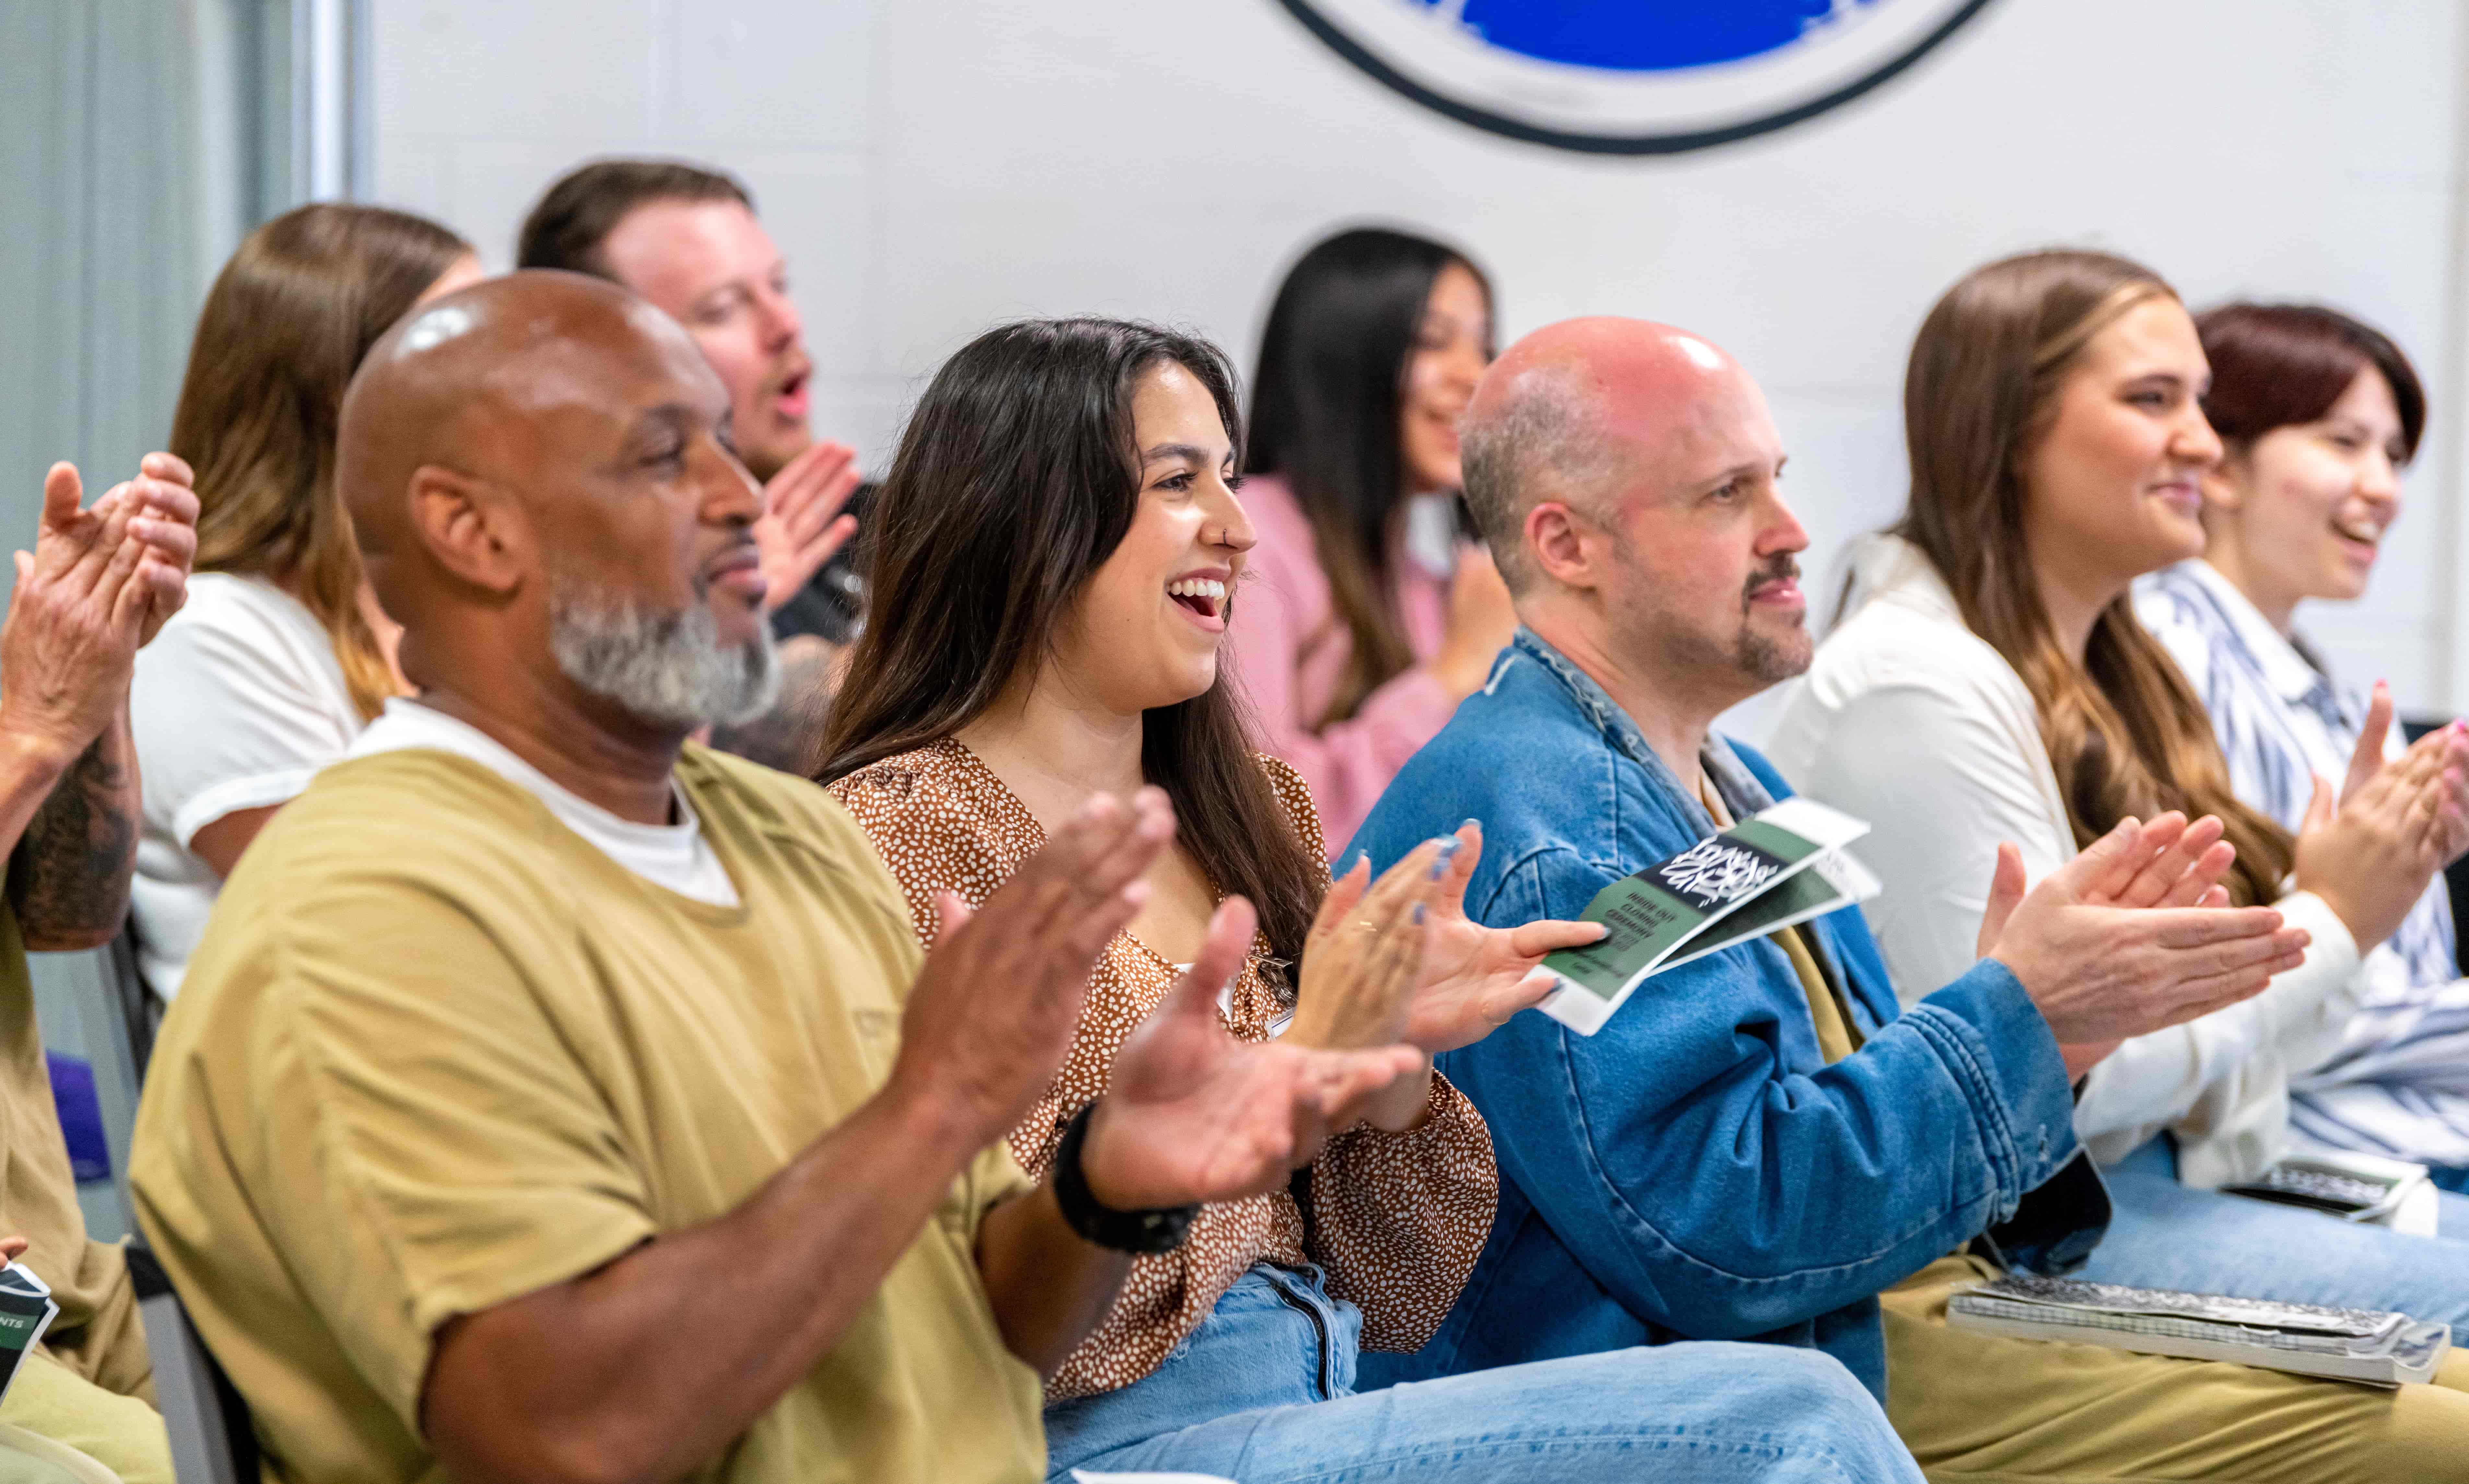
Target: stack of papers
2353	1187
1780	866
2369	1345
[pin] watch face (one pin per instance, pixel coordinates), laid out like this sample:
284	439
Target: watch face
1632	76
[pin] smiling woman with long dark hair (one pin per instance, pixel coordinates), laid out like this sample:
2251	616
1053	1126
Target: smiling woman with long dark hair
1366	620
1051	563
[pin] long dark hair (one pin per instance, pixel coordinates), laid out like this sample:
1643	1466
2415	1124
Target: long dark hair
2125	732
1016	479
1325	417
283	328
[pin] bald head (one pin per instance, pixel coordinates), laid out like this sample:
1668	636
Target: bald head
1626	476
1579	409
537	464
473	382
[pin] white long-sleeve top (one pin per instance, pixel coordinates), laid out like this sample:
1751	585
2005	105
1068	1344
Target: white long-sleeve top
1911	721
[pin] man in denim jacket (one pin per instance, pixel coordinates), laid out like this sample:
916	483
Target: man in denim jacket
1759	1145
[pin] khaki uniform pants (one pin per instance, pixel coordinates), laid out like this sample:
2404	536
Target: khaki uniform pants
1979	1409
94	1391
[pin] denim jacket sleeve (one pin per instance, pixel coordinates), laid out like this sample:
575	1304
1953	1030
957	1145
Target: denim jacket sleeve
1713	1190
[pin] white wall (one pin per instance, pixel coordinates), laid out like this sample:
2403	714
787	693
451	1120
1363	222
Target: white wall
932	167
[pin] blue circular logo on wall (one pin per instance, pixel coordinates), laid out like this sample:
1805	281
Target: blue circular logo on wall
1632	76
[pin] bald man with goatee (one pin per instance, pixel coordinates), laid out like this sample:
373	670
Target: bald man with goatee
553	1099
1761	1144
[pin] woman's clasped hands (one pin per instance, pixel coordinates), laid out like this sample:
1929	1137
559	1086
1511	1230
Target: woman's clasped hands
1398	960
2371	854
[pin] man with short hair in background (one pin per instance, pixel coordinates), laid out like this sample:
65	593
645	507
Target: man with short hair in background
687	238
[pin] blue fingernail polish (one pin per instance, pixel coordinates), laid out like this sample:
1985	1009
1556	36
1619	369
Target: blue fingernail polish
1418	914
1441	860
1470	824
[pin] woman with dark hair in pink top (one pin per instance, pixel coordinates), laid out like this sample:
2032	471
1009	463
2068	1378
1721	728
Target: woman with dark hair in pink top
1366	618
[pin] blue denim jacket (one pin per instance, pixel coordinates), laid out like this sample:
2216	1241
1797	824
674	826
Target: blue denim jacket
1694	1170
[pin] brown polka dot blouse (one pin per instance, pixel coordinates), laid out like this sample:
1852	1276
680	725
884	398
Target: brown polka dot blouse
1397	1218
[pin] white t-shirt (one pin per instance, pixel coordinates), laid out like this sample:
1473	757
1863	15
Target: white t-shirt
675	856
235	705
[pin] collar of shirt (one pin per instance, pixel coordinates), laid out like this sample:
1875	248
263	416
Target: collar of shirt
1740	790
2284	669
675	856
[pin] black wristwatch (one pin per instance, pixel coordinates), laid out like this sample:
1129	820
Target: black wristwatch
1159	1229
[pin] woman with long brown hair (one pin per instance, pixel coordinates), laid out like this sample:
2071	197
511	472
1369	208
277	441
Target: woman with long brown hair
1989	683
281	656
1366	618
1051	565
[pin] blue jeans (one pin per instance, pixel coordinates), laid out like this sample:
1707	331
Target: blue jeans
2164	1234
1264	1393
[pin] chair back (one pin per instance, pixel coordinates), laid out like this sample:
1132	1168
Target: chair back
212	1442
139	1010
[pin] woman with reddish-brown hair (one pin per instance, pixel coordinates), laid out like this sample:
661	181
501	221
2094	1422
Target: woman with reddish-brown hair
1989	683
2320	414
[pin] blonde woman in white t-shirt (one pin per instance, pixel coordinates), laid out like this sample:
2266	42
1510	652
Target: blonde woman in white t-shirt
281	656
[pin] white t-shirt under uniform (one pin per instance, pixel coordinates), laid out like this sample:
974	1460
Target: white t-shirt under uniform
675	856
236	705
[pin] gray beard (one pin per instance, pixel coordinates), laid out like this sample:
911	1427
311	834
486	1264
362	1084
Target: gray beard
668	669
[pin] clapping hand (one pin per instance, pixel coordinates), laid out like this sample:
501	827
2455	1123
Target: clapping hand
99	584
801	526
163	516
2371	854
1192	1115
1360	965
1470	980
995	1007
1476	977
2133	935
2440	760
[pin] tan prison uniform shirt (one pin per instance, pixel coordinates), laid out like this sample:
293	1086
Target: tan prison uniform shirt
97	1334
437	1052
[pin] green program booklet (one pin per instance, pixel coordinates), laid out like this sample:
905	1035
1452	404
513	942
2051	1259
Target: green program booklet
26	1312
1780	866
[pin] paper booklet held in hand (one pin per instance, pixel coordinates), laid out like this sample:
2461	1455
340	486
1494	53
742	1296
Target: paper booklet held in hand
1778	867
2373	1346
26	1312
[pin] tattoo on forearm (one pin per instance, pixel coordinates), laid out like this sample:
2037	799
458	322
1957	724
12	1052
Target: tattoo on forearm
68	877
